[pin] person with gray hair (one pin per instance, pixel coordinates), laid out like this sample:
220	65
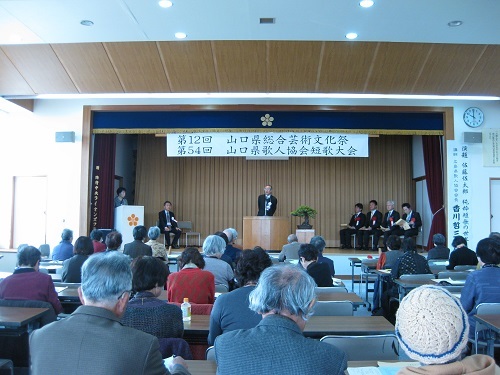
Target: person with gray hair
26	283
137	247
440	251
64	250
291	249
388	225
159	250
93	338
319	243
213	248
285	297
231	251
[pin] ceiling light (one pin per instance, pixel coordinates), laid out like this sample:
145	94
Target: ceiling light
455	23
86	23
366	3
351	36
180	35
165	3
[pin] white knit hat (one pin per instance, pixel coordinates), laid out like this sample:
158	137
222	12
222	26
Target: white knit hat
431	325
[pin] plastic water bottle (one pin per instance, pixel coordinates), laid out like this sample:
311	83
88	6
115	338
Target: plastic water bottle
186	310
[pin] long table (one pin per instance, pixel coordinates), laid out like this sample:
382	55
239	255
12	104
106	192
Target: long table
492	322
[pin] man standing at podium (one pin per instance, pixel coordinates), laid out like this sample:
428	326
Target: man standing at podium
168	224
267	202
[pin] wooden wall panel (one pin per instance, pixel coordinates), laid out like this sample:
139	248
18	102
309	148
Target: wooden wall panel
241	65
11	81
485	78
40	66
189	66
138	66
397	67
216	193
447	68
293	66
345	66
89	67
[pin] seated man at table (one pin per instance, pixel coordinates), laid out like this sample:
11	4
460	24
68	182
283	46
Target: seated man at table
439	251
64	250
291	249
26	283
94	340
137	247
285	297
319	243
308	256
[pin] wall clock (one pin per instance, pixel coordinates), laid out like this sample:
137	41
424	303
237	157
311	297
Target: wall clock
473	117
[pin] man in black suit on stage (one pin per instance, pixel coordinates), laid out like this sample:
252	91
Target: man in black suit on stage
413	219
388	225
371	227
357	221
267	202
168	224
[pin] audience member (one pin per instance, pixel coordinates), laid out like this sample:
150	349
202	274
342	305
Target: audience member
137	247
285	297
94	340
213	248
231	310
388	257
308	255
483	285
159	250
231	251
440	251
355	224
168	225
64	250
432	328
413	219
26	283
291	249
319	243
191	281
96	237
145	311
223	256
235	237
461	254
372	227
388	226
113	241
72	267
120	197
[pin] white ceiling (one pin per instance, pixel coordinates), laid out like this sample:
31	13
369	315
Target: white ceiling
58	21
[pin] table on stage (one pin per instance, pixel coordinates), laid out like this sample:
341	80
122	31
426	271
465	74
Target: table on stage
14	327
492	322
316	327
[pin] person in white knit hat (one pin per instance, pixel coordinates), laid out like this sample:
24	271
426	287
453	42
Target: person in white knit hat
432	328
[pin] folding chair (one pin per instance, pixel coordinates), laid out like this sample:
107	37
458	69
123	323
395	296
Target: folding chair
484	309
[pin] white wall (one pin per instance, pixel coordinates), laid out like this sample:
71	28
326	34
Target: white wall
27	147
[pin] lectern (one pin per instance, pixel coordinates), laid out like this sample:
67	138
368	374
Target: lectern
126	218
268	232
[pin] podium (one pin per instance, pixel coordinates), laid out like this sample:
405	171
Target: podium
126	218
268	232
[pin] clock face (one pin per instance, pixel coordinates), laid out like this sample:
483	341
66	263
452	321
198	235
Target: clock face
473	117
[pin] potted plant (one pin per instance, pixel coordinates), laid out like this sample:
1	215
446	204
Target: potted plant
306	212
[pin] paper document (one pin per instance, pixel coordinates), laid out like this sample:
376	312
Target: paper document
59	289
403	223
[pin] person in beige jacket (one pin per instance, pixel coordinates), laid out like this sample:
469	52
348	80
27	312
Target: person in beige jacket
432	328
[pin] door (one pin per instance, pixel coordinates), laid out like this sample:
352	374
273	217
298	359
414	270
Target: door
29	224
495	204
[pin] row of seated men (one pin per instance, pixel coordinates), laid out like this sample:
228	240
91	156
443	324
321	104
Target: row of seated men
256	327
378	225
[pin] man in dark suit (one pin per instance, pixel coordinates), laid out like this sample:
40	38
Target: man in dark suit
413	219
137	247
267	202
355	224
168	224
388	225
277	345
372	226
94	340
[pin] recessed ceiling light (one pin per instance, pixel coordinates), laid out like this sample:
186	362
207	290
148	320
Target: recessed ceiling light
86	23
165	3
455	23
180	35
351	36
366	3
